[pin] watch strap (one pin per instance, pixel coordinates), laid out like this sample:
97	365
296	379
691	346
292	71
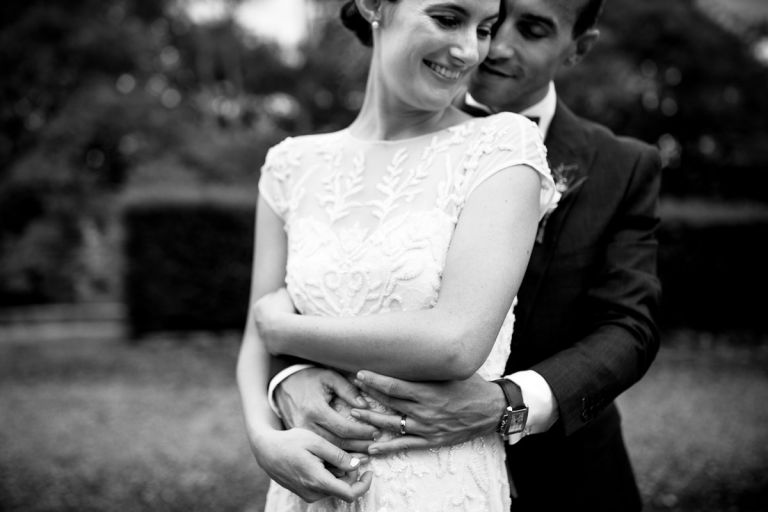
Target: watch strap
512	393
515	416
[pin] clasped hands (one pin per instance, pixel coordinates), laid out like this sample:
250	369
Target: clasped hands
324	403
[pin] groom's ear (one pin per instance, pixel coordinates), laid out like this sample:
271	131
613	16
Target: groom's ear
582	45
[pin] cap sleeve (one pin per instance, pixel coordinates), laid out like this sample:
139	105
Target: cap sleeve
510	140
275	178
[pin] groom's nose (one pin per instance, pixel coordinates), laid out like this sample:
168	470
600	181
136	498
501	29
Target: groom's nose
503	42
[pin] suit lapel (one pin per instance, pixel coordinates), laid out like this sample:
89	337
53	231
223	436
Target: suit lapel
569	152
567	149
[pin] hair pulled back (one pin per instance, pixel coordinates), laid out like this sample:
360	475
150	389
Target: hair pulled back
588	16
354	21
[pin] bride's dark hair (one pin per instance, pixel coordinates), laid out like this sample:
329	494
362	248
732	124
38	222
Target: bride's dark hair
354	21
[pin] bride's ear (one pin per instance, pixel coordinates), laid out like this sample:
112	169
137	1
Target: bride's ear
369	9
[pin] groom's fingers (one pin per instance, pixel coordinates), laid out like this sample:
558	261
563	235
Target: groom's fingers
393	403
390	421
349	445
343	427
401	443
344	389
389	386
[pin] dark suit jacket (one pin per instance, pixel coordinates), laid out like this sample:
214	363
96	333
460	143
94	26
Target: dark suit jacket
586	317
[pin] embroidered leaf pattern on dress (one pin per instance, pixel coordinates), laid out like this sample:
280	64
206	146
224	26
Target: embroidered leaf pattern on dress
397	184
340	186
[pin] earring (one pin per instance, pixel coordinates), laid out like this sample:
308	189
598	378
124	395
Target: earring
375	24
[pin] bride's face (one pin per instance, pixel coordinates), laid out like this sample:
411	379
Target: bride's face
426	49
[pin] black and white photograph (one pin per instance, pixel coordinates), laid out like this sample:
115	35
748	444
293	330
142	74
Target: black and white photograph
383	255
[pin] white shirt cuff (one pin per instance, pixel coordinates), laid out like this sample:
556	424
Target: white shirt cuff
542	406
278	379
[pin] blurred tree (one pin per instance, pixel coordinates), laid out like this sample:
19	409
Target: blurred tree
666	73
51	164
51	48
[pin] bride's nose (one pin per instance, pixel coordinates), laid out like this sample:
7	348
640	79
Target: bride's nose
466	49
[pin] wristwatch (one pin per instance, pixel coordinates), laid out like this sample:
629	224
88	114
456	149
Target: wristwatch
516	413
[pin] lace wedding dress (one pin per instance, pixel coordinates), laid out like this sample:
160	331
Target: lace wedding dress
369	224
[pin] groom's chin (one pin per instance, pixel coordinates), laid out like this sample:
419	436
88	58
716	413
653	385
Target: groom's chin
487	94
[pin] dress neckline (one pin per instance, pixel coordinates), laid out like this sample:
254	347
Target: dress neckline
349	133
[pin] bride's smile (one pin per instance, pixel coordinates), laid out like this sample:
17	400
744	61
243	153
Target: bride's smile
444	72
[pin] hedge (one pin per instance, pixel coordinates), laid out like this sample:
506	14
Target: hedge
187	259
713	265
188	262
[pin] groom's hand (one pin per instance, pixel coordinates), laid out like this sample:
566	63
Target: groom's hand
320	400
437	413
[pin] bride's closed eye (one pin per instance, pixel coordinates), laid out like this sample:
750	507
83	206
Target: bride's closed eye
448	21
453	22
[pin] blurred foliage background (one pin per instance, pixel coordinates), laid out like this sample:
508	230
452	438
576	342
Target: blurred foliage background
131	137
103	101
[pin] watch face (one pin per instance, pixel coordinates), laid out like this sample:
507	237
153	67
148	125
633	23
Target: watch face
516	421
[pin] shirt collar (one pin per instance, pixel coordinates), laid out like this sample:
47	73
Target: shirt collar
472	102
544	109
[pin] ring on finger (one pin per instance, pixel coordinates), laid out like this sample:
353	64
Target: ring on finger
402	424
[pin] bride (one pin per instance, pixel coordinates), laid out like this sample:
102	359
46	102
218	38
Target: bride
401	241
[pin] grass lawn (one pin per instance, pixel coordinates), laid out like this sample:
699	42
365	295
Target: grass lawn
110	426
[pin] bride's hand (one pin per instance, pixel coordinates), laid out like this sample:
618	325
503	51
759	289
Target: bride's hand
305	463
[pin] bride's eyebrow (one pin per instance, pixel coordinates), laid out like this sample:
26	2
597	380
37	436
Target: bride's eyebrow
450	6
460	10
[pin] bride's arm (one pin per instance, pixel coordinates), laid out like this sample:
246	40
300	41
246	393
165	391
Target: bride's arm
268	275
294	458
488	255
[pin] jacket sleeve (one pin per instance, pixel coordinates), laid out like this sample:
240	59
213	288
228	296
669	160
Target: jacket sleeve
621	307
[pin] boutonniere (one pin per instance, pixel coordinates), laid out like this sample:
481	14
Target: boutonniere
563	175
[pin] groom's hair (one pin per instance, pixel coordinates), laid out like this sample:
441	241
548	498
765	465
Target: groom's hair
588	16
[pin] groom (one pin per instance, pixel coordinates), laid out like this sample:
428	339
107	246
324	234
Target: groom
585	323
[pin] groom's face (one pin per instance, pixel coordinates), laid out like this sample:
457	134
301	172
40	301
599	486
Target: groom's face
534	41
